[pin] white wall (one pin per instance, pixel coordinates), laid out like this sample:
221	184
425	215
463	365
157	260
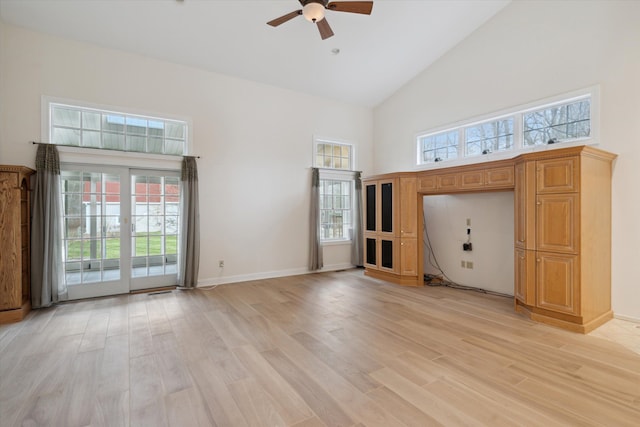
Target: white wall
491	216
533	50
255	142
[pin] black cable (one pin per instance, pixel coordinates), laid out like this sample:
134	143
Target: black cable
449	283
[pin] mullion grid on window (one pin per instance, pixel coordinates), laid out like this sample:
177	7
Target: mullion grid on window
561	121
335	209
440	146
333	156
115	131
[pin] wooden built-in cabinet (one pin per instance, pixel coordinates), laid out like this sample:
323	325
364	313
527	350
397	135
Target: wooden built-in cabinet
390	231
15	238
562	236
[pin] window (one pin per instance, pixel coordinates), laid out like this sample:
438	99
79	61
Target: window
333	155
439	146
107	130
560	122
335	209
488	137
557	120
335	160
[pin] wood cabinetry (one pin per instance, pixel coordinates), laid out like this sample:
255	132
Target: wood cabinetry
562	216
568	233
391	228
487	177
15	216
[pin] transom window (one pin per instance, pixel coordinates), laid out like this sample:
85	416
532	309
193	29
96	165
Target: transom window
333	155
559	123
86	127
439	146
564	120
488	137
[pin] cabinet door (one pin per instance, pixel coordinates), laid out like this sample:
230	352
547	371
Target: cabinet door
388	255
558	175
10	245
370	252
428	184
408	207
525	276
387	206
557	282
471	180
409	257
370	206
525	202
448	182
558	223
498	177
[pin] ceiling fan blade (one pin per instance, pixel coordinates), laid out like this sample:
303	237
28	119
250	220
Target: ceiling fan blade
363	7
324	28
284	18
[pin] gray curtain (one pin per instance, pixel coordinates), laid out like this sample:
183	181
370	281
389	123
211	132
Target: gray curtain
47	271
315	250
190	232
356	236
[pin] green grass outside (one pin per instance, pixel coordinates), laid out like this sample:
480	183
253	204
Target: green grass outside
152	241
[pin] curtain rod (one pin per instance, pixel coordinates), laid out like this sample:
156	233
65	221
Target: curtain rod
104	149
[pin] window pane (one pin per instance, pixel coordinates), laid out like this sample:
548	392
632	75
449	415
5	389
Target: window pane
174	147
440	146
66	136
112	141
154	145
136	126
113	123
90	139
137	143
90	120
563	122
61	116
175	130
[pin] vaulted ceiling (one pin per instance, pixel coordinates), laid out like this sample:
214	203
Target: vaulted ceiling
377	54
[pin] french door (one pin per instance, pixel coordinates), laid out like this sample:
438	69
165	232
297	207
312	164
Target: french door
121	229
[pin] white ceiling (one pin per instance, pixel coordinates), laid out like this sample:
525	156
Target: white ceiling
378	53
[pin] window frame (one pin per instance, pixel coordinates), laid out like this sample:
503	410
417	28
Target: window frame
137	157
518	146
333	174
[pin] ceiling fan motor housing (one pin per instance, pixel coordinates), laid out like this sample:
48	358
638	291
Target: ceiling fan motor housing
313	10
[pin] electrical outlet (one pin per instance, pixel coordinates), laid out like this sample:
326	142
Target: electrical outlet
221	263
463	264
469	264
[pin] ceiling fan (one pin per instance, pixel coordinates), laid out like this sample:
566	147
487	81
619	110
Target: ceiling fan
313	11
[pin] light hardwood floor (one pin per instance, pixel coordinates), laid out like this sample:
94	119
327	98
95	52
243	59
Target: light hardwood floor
334	349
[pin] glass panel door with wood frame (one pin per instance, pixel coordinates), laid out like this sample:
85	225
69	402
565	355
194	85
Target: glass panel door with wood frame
155	224
92	201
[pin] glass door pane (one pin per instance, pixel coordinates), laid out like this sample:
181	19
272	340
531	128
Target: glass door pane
93	254
155	212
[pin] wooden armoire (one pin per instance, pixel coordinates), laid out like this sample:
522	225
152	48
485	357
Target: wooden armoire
15	241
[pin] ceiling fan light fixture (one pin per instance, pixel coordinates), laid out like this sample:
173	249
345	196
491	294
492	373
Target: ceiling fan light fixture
313	12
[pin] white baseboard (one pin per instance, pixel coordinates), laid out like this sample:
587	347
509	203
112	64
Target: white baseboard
627	318
268	275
